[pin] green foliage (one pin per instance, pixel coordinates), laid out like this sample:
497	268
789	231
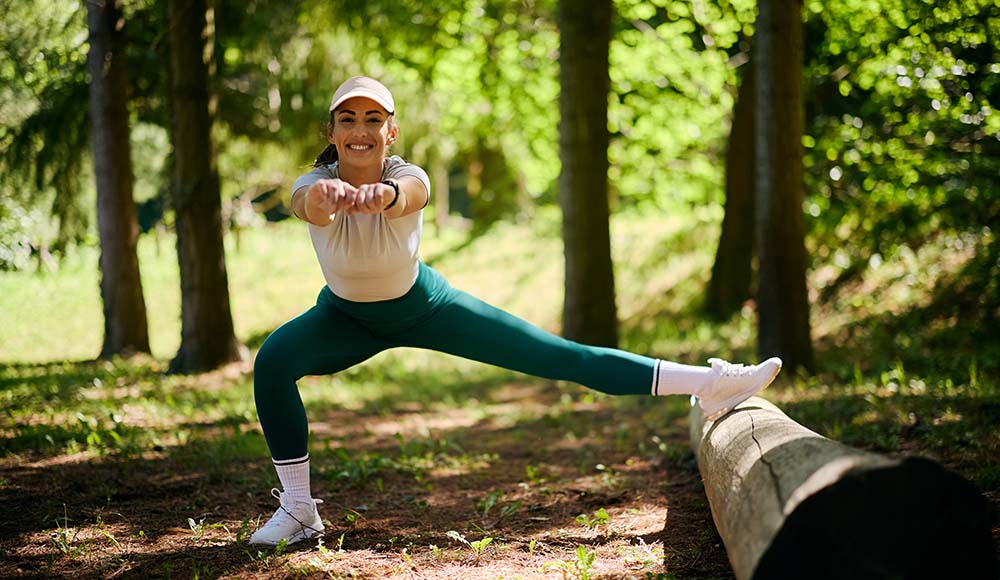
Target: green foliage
354	470
671	69
903	140
44	125
901	126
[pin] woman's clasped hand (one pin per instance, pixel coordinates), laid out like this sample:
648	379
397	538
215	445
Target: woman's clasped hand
331	196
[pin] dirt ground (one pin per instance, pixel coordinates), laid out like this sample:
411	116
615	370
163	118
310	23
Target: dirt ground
562	495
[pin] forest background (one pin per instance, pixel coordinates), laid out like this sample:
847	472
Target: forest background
901	161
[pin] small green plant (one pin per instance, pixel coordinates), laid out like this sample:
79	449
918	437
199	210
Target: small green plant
478	547
531	547
62	541
241	534
419	504
264	556
599	518
321	547
535	474
111	538
492	500
356	471
642	556
281	547
200	527
578	569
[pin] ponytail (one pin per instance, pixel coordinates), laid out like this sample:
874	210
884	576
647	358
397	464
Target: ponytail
329	155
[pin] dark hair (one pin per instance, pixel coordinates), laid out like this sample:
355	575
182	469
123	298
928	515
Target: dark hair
329	155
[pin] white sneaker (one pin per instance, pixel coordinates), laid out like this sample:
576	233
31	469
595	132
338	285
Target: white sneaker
295	519
734	383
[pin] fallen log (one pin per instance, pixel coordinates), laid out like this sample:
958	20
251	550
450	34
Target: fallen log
790	503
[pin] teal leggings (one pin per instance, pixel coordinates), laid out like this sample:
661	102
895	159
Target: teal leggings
336	334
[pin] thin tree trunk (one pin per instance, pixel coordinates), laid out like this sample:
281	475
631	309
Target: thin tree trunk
732	271
589	313
782	300
439	176
125	327
207	337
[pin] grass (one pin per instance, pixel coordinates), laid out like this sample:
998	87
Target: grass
114	468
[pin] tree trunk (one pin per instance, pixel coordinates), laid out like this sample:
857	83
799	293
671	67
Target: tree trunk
782	300
439	177
125	326
789	503
732	271
207	337
589	313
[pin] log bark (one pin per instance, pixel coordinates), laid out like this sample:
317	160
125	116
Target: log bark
790	503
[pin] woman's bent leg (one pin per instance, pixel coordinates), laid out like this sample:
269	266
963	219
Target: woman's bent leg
473	329
320	341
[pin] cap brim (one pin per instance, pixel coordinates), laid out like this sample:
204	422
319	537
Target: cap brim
368	95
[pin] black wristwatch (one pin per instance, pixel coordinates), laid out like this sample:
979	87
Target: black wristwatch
395	189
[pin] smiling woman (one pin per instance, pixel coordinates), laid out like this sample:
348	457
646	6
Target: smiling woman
364	213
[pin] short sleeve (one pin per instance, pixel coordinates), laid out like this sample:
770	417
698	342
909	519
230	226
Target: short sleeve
321	172
397	167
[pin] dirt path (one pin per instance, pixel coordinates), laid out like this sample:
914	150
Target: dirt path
563	485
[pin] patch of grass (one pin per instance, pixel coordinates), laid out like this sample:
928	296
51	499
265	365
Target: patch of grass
356	470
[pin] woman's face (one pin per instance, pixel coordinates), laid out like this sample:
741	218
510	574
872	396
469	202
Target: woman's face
362	131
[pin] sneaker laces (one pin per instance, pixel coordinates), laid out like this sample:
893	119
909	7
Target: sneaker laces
282	512
728	369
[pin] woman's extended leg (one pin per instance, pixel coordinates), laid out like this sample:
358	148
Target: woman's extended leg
468	327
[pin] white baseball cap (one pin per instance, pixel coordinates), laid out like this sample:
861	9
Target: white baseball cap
363	87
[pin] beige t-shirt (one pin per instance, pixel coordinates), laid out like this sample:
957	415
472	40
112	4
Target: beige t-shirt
366	258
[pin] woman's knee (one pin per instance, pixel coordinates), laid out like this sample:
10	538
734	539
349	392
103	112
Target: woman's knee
272	366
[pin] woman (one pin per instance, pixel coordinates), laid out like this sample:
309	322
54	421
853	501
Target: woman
364	214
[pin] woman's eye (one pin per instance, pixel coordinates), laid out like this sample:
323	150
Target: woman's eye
375	121
347	120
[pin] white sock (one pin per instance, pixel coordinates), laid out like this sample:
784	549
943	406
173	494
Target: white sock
670	378
294	476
